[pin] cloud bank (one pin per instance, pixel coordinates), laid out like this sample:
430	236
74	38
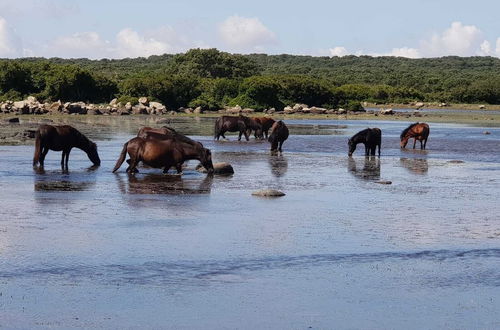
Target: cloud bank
458	40
242	34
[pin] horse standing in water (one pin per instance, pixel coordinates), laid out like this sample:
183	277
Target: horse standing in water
62	138
266	123
234	124
279	133
163	154
370	137
417	131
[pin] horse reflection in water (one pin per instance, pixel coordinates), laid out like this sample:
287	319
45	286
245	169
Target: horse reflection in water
278	164
415	165
370	170
55	182
164	184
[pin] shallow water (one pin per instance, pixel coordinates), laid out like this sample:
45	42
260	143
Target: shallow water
90	248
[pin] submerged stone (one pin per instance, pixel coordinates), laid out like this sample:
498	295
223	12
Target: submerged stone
268	193
219	168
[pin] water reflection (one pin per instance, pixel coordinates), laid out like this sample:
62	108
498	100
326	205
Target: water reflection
370	170
278	164
163	184
415	165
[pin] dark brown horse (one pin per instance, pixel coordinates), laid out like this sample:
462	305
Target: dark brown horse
417	131
165	130
279	133
234	124
265	123
62	138
163	154
370	137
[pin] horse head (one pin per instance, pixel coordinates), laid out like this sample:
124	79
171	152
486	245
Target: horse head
206	160
352	146
92	154
404	142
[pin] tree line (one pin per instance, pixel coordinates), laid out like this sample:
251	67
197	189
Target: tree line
213	79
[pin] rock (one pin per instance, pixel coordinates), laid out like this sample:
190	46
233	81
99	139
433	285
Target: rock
12	120
268	193
143	100
94	112
128	106
113	102
198	110
383	182
164	121
454	161
76	107
29	134
342	111
419	104
299	107
482	106
248	110
386	112
317	110
287	109
486	132
188	110
219	168
236	109
55	107
443	104
305	110
124	112
271	111
156	105
417	113
140	109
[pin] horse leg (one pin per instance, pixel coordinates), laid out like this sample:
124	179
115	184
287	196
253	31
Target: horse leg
421	145
246	135
133	164
67	159
178	167
425	143
414	142
367	150
379	150
42	156
281	145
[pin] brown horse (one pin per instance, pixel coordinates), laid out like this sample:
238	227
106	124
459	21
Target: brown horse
265	123
417	131
279	133
163	154
62	138
234	124
165	130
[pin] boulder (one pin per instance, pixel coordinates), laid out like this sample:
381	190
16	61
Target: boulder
342	111
486	132
236	109
386	111
443	104
128	106
383	182
143	100
268	193
248	110
198	110
113	102
317	110
188	110
31	99
76	107
156	105
55	107
287	109
419	104
140	109
482	106
299	107
271	111
94	112
219	168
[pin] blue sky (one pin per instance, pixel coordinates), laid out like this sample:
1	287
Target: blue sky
127	28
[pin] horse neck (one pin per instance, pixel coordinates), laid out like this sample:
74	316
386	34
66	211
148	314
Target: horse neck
83	143
191	152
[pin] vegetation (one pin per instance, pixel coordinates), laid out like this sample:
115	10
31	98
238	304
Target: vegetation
213	79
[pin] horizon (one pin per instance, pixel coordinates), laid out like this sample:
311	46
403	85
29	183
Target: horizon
77	29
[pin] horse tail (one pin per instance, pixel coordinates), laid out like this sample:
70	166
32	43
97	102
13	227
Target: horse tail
38	147
120	160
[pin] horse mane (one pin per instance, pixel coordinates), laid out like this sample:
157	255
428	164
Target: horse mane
359	133
403	133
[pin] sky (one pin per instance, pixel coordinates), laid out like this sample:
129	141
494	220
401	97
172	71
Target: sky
131	28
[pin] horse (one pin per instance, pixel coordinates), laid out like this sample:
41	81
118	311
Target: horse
234	124
163	154
265	123
165	130
279	133
62	138
417	131
370	137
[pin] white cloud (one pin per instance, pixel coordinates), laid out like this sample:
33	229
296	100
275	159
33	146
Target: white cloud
338	51
130	44
78	45
246	34
458	40
10	44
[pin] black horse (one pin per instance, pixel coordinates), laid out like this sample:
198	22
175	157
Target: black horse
235	124
279	133
62	138
370	137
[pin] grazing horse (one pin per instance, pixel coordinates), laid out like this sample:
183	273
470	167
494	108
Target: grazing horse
370	137
163	154
234	124
62	138
279	133
164	133
265	123
417	131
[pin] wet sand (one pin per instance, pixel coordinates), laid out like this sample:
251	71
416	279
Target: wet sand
94	249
